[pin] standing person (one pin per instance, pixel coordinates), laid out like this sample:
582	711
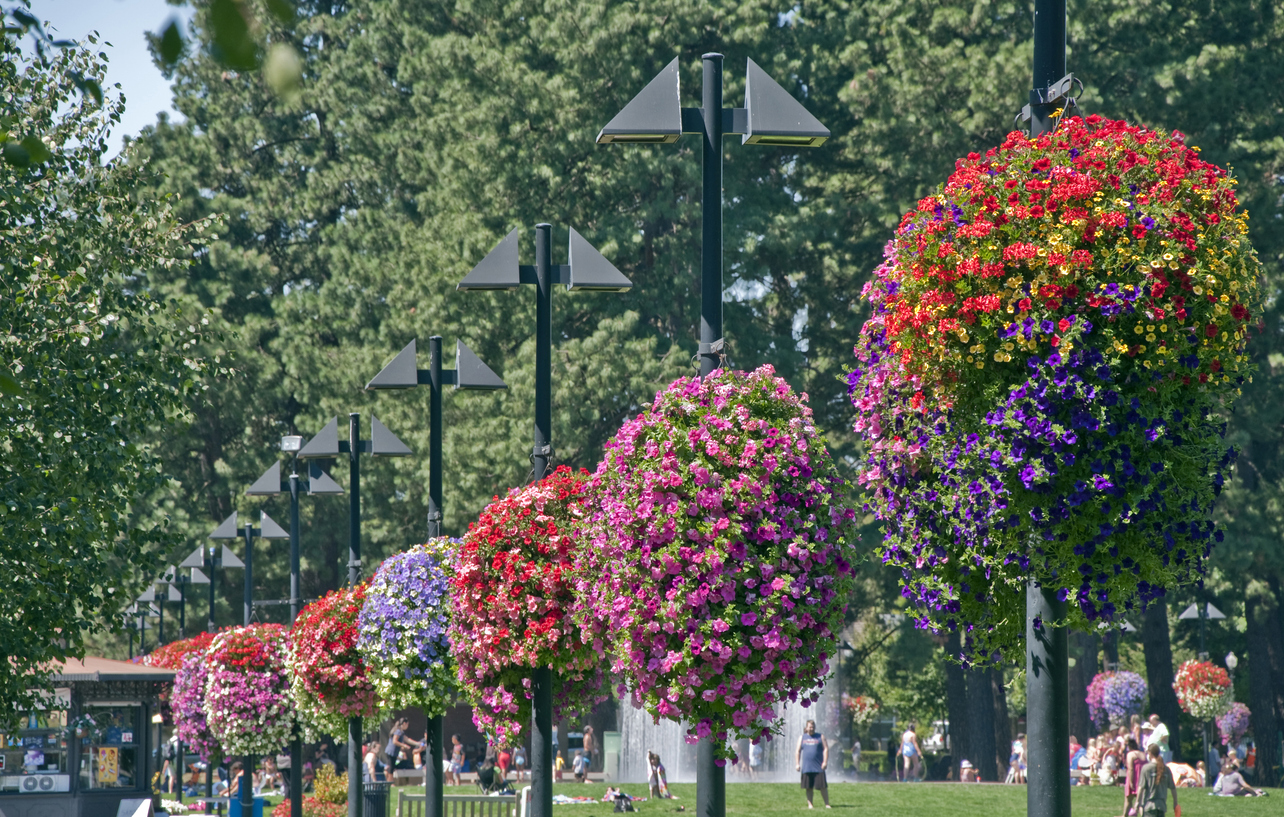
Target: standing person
1016	760
559	766
1159	737
911	753
503	761
590	747
656	780
755	759
370	763
579	766
519	761
856	758
1134	728
1134	759
456	760
811	758
1156	781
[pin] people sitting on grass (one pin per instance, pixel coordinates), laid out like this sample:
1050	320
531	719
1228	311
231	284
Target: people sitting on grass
1231	783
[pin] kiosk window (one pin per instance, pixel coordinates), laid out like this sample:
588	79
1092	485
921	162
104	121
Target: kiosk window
38	748
110	750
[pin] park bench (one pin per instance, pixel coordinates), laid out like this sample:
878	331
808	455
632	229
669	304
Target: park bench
469	805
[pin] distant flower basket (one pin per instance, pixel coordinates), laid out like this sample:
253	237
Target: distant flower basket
1123	696
1056	336
247	700
1096	706
403	628
187	696
1233	723
511	608
720	563
172	656
1203	689
329	679
862	709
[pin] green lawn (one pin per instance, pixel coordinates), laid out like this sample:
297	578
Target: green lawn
911	800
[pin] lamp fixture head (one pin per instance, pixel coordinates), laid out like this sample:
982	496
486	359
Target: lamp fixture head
1231	661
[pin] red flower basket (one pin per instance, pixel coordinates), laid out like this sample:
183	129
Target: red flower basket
512	602
328	678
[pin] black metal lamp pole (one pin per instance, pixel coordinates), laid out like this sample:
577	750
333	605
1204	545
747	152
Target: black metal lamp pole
1047	644
326	445
402	373
771	116
267	529
271	484
586	269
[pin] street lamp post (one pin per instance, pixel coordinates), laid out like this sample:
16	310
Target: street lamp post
267	530
181	582
318	483
403	373
771	116
588	270
326	445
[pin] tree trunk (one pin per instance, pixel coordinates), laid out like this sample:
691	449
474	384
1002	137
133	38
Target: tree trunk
1002	723
956	702
1262	613
1083	647
1275	643
980	721
1159	671
1110	648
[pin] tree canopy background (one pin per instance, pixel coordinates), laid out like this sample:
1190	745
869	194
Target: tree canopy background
418	133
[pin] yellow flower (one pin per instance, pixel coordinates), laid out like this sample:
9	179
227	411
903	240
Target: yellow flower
1163	327
1151	337
1138	329
1150	327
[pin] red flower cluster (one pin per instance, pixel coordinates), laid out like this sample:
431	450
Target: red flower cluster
249	649
328	677
511	602
171	655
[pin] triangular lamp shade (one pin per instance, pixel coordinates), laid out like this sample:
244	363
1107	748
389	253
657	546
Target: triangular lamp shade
271	530
196	559
471	373
199	577
498	270
400	373
775	117
383	443
319	482
591	271
227	529
324	444
230	559
653	117
269	484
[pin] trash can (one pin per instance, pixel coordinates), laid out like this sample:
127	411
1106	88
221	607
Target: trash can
374	798
234	807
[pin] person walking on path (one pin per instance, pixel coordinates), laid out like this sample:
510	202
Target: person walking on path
811	758
911	753
1156	781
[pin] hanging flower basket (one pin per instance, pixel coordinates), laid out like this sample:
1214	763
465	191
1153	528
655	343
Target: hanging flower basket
1123	696
171	656
328	678
719	570
861	708
1041	390
403	629
1233	723
247	690
511	604
1203	689
1096	707
187	696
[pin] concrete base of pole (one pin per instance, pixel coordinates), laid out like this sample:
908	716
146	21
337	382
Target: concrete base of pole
711	782
1047	705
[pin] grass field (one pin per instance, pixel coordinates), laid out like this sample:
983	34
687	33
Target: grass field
910	800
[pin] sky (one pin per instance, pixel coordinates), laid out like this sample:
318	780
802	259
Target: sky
123	23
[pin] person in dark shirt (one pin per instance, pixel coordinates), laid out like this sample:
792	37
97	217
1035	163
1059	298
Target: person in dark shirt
811	759
1156	782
